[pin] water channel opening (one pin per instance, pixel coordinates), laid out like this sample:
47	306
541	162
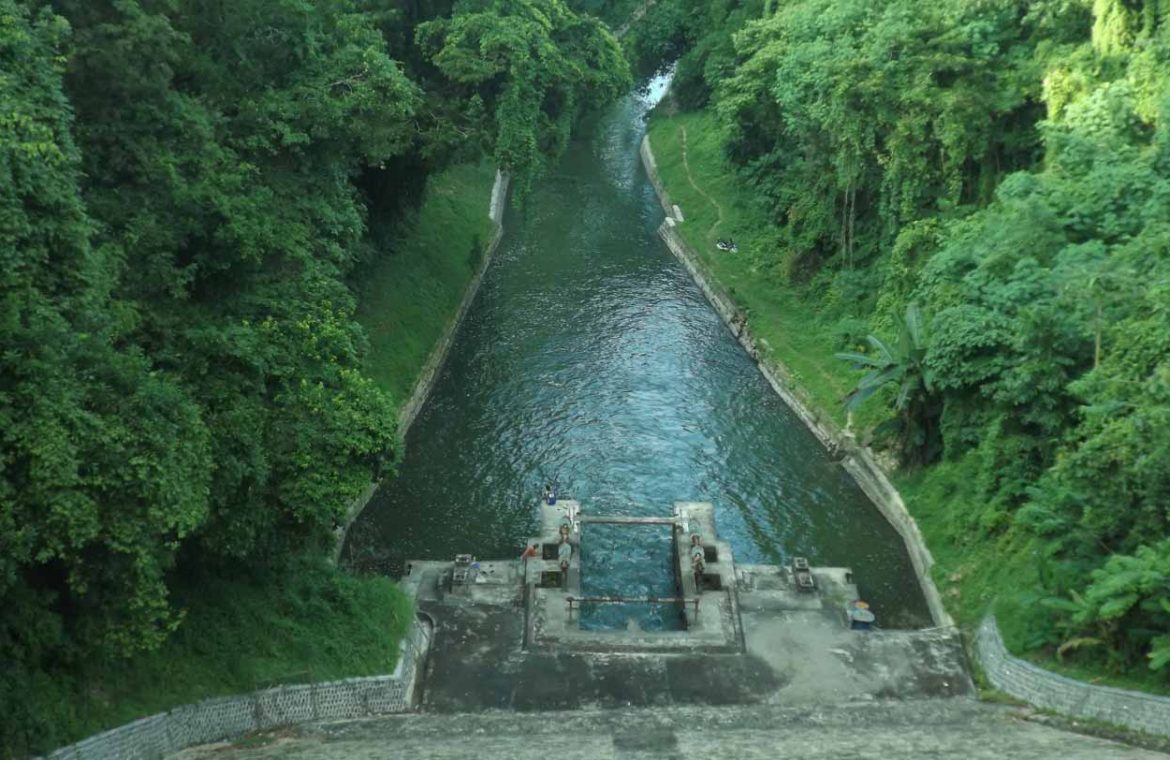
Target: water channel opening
629	561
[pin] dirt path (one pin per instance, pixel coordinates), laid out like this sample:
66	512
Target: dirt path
691	178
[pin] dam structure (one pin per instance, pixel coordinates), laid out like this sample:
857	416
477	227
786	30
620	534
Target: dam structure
752	661
515	633
590	358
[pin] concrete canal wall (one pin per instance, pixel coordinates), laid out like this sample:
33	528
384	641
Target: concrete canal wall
857	460
438	356
430	371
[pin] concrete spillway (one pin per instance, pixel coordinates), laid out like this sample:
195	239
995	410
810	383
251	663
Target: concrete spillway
507	635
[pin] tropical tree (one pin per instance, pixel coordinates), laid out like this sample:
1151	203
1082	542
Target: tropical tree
903	365
528	70
1127	607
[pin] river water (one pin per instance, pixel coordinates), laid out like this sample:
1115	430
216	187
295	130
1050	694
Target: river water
590	357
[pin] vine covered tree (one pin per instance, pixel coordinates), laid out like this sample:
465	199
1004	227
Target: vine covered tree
529	69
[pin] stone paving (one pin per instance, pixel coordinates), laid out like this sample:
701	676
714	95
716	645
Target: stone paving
898	730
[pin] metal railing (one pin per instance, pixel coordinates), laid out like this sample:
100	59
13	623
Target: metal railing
627	520
580	600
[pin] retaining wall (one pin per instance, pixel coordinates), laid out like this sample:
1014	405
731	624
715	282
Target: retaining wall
430	370
214	720
1042	688
858	461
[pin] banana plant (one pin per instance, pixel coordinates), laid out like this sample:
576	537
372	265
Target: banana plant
902	363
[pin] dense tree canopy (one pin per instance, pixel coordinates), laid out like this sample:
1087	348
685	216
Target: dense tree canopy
105	460
185	187
1000	167
534	64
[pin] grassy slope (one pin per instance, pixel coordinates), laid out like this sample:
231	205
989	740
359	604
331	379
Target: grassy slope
407	297
310	622
307	622
788	327
973	572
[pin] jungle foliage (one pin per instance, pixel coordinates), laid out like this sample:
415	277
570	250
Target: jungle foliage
1002	170
185	191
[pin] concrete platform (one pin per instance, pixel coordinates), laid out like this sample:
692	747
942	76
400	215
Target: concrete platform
506	640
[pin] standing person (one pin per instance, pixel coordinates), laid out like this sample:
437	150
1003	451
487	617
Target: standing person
564	554
698	561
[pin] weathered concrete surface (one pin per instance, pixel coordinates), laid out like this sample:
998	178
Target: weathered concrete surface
946	728
821	662
501	642
477	663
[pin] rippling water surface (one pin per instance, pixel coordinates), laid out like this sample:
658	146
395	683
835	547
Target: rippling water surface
589	356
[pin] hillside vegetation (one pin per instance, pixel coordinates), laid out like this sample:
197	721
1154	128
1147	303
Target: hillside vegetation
410	292
969	201
189	192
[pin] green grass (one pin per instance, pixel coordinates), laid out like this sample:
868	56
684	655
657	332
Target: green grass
307	622
786	325
975	571
410	292
969	572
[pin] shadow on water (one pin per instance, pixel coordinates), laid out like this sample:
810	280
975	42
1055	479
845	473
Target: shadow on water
590	356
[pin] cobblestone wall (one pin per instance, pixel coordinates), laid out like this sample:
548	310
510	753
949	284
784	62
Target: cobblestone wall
1077	699
228	717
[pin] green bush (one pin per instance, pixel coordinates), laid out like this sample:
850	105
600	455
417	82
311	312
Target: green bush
243	629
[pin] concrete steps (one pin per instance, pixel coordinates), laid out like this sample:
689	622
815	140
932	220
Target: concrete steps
930	728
